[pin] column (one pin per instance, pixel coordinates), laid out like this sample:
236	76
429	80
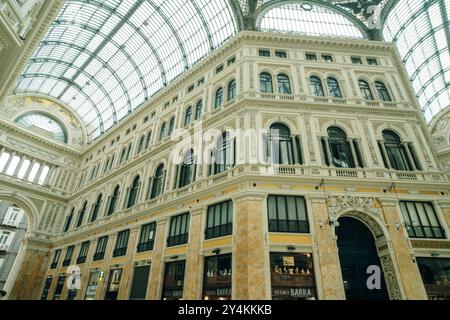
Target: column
251	265
157	266
385	154
408	272
329	266
445	207
49	175
193	281
8	163
19	165
54	178
127	272
27	174
38	174
409	155
327	147
31	272
355	157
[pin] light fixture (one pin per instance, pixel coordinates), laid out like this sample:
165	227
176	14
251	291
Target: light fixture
216	252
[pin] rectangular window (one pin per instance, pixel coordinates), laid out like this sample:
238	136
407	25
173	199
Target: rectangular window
327	58
219	220
83	252
292	276
140	283
217	278
219	69
287	214
147	237
311	57
356	60
173	284
59	287
372	61
191	88
101	248
231	61
55	259
68	257
121	244
179	230
281	54
48	284
421	220
13	217
264	53
201	82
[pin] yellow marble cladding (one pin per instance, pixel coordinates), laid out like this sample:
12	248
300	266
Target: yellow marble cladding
176	251
290	239
119	260
216	243
143	256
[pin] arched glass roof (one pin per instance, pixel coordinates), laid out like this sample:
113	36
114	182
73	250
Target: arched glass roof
309	18
105	58
45	124
421	31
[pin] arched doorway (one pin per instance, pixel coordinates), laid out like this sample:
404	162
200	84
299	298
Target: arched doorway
357	252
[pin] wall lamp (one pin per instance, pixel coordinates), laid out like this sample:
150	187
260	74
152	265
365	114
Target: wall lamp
331	221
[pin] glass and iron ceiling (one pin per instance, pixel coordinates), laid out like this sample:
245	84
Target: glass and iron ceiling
106	58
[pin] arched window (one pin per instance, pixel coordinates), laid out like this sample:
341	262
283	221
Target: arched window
382	91
162	132
232	90
224	158
339	149
130	147
284	84
81	215
316	86
96	208
149	140
44	124
69	220
134	192
114	200
105	168
123	155
333	88
364	87
396	152
219	98
141	144
187	170
158	182
280	145
198	110
171	126
188	116
266	84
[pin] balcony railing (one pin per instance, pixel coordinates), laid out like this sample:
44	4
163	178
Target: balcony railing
81	260
145	246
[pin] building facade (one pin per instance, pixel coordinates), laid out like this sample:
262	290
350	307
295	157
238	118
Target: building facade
13	227
280	167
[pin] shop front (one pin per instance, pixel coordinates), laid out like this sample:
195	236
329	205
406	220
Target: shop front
173	281
292	276
217	278
436	277
95	278
112	291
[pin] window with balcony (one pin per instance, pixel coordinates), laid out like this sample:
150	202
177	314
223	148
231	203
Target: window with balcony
141	145
147	237
198	110
69	220
162	131
421	220
171	126
219	98
82	214
365	90
96	208
224	154
188	116
333	88
121	244
148	143
179	230
219	220
311	56
113	201
232	90
284	84
84	250
280	145
338	150
101	248
266	82
133	192
157	185
186	170
68	257
13	217
316	86
55	260
383	93
287	214
395	153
